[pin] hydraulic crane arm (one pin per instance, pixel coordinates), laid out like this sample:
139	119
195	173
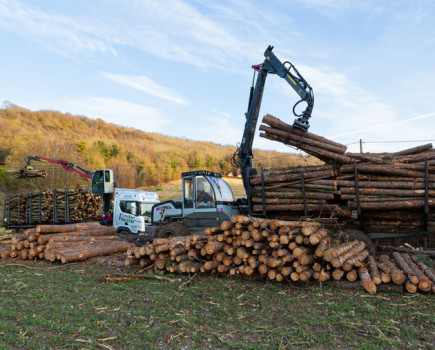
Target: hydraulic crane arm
243	158
71	167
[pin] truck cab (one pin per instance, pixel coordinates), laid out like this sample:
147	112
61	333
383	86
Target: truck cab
132	210
207	200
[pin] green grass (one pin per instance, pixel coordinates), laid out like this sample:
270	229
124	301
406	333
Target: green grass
73	307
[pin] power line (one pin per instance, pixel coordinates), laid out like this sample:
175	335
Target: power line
398	141
401	141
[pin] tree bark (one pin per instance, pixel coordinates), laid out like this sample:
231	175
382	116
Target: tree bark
374	272
397	276
368	284
424	284
405	267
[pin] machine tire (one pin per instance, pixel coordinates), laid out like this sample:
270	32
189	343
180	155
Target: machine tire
361	236
174	229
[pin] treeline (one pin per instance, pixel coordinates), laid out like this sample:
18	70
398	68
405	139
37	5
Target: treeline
140	159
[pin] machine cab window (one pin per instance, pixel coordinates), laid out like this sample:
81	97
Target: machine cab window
102	181
204	193
97	182
188	193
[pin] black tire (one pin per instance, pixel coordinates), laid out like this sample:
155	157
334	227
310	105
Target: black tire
123	231
174	229
361	236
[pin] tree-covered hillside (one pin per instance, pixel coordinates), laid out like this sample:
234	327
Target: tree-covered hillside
140	159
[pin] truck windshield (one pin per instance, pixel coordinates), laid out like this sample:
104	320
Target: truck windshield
145	209
222	189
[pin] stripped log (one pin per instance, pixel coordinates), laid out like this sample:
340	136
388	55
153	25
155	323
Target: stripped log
396	274
424	284
368	284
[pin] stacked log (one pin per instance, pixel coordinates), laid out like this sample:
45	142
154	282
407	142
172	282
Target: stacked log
5	236
37	207
300	250
66	243
384	191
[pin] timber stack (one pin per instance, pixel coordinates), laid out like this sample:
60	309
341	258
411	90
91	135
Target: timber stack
279	250
65	243
5	236
57	206
383	192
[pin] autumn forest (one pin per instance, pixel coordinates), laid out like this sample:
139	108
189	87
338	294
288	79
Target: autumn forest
139	159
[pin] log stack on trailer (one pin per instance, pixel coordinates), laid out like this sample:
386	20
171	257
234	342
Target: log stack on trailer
66	243
57	206
388	193
300	250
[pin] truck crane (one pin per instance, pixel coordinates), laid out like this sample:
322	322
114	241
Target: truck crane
101	180
243	157
131	209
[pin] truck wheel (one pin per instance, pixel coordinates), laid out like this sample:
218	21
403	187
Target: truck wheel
174	229
123	231
361	236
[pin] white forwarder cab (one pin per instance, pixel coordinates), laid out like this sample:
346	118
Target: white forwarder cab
132	210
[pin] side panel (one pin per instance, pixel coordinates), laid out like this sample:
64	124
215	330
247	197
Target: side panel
169	210
202	219
134	223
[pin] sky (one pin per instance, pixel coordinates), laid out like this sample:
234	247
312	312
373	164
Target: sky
183	68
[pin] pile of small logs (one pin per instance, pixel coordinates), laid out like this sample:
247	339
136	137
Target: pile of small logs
389	192
5	236
38	207
67	243
281	251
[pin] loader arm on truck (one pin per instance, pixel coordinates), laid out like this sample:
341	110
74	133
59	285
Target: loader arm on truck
68	166
243	158
102	183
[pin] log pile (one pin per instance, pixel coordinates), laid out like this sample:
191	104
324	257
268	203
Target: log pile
5	236
66	243
39	207
388	192
277	250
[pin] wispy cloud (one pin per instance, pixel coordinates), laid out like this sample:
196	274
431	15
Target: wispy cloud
172	30
145	84
60	33
226	115
118	112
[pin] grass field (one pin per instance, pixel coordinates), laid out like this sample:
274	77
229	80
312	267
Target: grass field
45	305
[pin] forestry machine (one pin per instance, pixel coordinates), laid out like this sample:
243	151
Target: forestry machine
272	65
194	211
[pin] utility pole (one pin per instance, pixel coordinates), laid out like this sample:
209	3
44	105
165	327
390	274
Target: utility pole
360	146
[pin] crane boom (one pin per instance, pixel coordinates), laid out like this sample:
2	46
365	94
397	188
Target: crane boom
68	166
243	158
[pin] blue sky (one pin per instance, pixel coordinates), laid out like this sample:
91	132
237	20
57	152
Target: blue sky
183	68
